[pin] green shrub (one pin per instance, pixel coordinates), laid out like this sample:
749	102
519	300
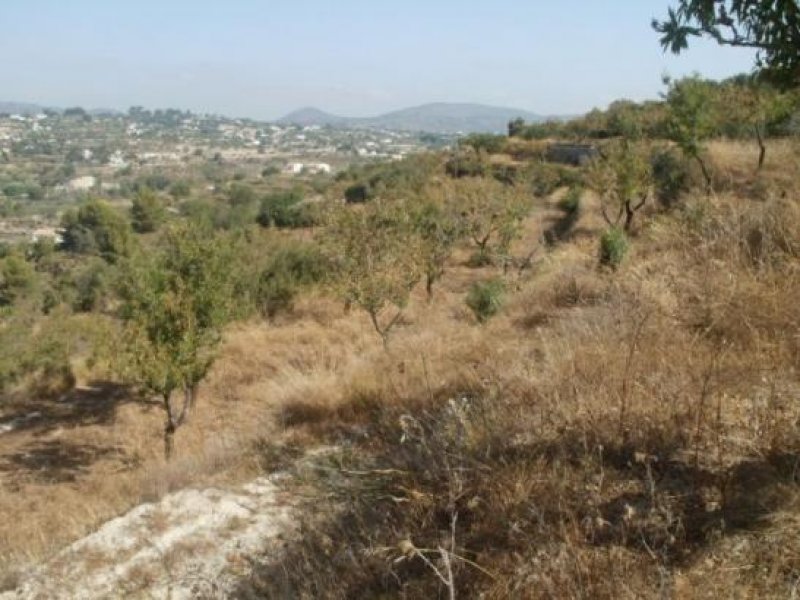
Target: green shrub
357	193
17	279
147	212
671	175
284	209
571	202
485	298
547	178
289	270
613	247
96	228
466	163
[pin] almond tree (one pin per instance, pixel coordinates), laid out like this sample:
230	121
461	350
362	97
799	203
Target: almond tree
623	179
376	255
175	305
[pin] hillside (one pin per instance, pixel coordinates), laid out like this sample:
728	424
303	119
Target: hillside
437	117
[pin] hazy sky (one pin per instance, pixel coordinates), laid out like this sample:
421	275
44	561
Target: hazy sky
263	58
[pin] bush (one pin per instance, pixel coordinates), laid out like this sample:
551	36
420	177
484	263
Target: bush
289	270
147	212
547	178
17	279
469	163
613	247
571	202
357	193
671	175
96	228
485	298
284	209
488	142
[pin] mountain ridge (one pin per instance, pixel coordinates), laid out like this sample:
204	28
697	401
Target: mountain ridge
439	117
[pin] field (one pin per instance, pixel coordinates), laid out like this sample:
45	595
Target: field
626	432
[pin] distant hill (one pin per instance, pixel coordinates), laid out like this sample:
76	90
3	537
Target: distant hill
439	117
20	108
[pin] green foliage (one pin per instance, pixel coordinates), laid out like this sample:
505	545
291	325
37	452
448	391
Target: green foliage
438	227
91	284
571	202
466	162
147	211
180	189
484	142
485	298
547	178
407	177
623	179
289	269
691	119
773	28
671	175
357	193
491	214
96	228
376	262
38	350
174	305
613	247
240	194
17	279
284	209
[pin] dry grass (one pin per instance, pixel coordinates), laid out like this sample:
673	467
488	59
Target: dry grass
608	435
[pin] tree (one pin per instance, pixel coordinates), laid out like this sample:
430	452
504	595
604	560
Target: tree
754	108
439	228
491	214
17	279
623	178
377	262
772	27
516	127
147	211
691	118
96	228
174	308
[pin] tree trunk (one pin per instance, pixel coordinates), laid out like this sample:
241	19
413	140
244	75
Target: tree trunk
169	440
430	279
704	170
169	427
762	149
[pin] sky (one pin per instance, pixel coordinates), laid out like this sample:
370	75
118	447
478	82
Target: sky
265	58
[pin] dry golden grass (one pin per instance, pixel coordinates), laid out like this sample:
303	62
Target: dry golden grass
627	434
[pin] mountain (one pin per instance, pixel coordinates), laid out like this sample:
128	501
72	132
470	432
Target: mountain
438	117
20	108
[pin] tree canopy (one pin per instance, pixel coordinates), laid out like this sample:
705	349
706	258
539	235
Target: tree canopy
772	27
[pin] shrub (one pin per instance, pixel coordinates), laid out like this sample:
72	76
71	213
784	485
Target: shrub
96	228
147	212
17	279
284	209
485	298
671	175
547	178
288	270
357	193
571	202
465	163
613	247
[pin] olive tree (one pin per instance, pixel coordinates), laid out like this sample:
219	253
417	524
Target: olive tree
175	305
